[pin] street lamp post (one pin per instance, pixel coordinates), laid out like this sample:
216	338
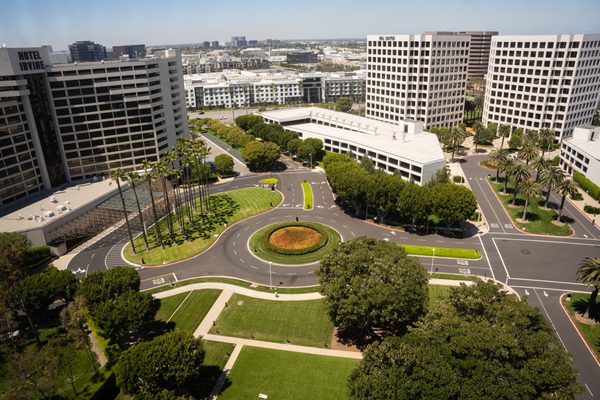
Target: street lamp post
432	260
270	275
311	161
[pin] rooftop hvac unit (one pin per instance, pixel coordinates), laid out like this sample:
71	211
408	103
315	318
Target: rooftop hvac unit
61	207
49	213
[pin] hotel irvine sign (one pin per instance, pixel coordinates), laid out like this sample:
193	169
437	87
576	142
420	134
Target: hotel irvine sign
30	60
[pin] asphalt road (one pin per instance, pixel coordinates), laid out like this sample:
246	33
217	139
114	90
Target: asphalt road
540	268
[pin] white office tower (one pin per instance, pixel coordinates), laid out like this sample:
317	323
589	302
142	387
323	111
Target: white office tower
417	77
543	82
116	114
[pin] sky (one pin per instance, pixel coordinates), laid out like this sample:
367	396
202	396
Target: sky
155	22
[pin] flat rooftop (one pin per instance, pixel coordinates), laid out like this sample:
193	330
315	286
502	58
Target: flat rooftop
34	213
415	145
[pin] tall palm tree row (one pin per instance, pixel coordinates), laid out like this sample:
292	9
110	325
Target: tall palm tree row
150	176
117	176
518	173
455	138
478	128
589	274
539	164
161	168
528	153
503	132
132	177
545	139
505	164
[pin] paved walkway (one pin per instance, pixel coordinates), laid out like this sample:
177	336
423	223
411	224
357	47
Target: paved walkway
239	290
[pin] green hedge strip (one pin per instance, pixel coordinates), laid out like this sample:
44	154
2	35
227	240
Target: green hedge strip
590	187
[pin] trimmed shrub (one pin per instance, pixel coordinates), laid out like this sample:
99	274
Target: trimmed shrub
591	209
577	196
457	179
590	187
288	252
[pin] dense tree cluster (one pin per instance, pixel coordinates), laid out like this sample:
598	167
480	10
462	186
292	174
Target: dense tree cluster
168	365
368	190
372	288
230	134
480	343
260	156
224	164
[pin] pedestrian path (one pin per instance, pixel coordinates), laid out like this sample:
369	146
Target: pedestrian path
239	290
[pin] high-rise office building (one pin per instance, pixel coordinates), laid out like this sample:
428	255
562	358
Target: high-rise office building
131	50
543	82
65	122
238	41
479	50
417	77
85	50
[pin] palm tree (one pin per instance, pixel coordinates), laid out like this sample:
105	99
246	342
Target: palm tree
530	137
545	138
162	170
150	176
529	188
131	178
589	274
455	138
503	132
505	165
497	156
567	187
551	177
528	153
539	164
118	175
519	173
478	128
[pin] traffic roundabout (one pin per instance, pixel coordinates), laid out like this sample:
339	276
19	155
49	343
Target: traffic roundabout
293	243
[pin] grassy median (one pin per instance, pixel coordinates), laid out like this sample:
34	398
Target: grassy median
441	252
577	306
308	195
228	208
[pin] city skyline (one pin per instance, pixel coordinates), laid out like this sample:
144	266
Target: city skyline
59	23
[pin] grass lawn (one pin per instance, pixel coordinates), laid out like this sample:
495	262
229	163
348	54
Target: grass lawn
308	195
441	252
454	277
269	181
287	375
237	282
258	243
217	353
539	220
437	293
297	322
578	304
187	310
228	208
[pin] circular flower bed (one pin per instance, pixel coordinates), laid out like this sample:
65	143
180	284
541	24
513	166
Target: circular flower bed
293	242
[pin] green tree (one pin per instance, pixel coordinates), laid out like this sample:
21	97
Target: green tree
133	177
528	153
455	138
481	343
367	164
545	139
505	165
73	321
567	187
310	149
539	164
260	155
40	290
551	177
529	188
125	315
13	248
503	132
383	193
453	203
172	361
478	130
99	287
117	176
344	104
518	173
516	139
414	203
588	273
439	177
224	164
372	287
498	156
293	146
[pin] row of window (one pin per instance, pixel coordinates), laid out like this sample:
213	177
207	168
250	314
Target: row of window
417	43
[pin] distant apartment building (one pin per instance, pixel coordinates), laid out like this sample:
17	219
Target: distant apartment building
417	77
132	51
84	51
302	57
67	122
543	82
241	89
581	152
207	66
479	50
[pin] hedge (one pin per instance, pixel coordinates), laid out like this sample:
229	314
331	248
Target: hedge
591	209
590	187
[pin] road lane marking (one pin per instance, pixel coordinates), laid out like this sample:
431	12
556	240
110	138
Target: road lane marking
501	259
242	260
92	257
487	258
547	281
545	288
490	203
549	319
175	276
552	241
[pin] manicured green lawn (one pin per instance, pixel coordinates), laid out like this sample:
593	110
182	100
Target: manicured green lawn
228	208
454	277
308	195
217	353
437	293
577	304
539	220
259	238
187	310
441	252
297	322
269	181
287	375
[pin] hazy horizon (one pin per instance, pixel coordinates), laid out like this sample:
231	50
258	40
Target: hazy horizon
32	23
